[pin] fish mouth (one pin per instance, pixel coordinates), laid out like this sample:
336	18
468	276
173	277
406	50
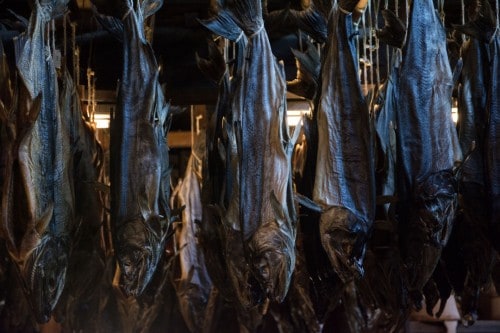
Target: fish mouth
344	236
45	277
136	271
138	251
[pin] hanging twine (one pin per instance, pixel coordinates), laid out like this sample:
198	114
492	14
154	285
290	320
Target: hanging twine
377	45
441	10
64	34
370	36
365	58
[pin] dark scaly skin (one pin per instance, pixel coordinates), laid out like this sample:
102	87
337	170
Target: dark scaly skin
312	20
139	162
324	288
426	147
344	183
260	214
267	214
37	201
492	144
469	256
222	249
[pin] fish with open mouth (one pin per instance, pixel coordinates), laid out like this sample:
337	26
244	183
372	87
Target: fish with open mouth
260	218
139	170
37	197
345	182
427	147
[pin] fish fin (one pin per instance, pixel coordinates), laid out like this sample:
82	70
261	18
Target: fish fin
35	110
214	67
223	24
112	25
222	151
32	117
457	70
394	31
277	207
101	187
149	7
276	20
311	21
24	21
43	222
458	170
157	225
4	113
308	203
309	60
482	25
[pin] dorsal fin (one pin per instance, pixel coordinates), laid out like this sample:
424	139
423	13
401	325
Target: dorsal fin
223	24
43	222
214	67
393	33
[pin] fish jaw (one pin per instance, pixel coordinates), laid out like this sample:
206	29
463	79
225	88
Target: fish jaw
44	276
272	258
246	288
138	251
431	222
344	236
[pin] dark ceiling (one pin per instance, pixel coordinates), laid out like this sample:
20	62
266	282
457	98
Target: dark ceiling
177	37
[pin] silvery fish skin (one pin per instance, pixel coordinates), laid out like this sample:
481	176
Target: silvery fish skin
259	233
267	213
345	183
38	194
427	146
192	283
139	162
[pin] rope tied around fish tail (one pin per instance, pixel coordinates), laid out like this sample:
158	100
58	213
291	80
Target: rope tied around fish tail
442	14
256	32
239	37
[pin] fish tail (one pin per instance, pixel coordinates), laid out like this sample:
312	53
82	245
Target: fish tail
394	31
248	14
223	24
482	25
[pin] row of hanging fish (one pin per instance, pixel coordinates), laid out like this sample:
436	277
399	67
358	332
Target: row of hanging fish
390	211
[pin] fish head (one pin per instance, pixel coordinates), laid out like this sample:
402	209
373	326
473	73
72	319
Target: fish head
246	289
344	236
138	248
272	259
44	276
436	204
